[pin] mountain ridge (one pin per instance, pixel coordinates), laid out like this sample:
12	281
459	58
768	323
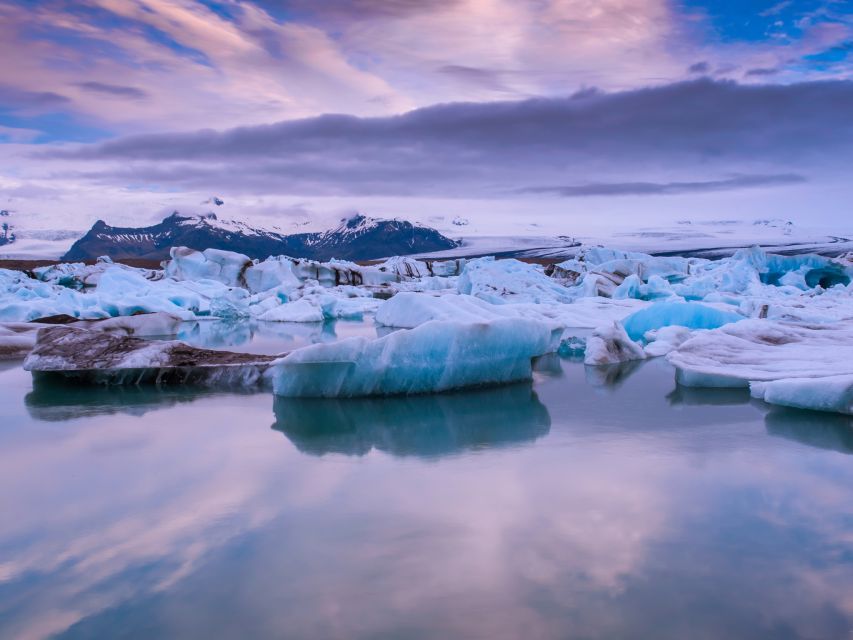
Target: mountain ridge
356	238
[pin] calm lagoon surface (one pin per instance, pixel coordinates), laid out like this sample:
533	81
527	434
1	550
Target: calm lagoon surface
592	503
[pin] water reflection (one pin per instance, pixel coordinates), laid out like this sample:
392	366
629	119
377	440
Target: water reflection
643	510
707	397
268	337
424	426
612	376
55	400
829	431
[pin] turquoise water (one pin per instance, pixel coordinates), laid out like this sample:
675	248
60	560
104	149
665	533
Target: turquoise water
590	504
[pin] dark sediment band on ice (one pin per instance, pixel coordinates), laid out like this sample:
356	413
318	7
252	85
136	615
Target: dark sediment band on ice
99	357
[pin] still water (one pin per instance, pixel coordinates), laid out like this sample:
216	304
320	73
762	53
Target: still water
589	504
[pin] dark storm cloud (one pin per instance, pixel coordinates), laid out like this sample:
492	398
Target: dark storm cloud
668	188
689	133
116	90
699	67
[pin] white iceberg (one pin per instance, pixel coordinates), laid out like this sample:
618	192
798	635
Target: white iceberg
830	393
511	281
610	344
763	351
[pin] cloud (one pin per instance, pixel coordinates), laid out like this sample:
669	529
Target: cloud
471	75
114	90
32	101
699	67
761	71
673	138
668	188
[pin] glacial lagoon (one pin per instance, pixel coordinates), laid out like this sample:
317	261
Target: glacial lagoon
594	502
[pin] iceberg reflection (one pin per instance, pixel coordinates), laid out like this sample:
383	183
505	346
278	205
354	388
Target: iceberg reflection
828	431
708	396
56	400
425	426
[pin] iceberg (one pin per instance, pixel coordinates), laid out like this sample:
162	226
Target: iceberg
684	314
97	357
410	309
436	356
301	310
510	281
226	267
830	393
17	338
610	344
763	351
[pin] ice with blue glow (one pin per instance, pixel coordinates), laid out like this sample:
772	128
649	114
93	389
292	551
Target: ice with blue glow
433	357
691	315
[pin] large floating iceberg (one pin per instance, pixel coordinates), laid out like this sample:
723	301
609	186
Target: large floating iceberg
436	356
760	350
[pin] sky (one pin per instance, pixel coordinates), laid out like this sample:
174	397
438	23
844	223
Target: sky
517	115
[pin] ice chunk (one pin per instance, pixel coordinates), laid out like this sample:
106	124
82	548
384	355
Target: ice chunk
684	314
17	338
830	393
662	341
572	346
147	324
610	344
412	309
436	356
226	267
761	350
502	281
272	273
298	311
409	310
101	357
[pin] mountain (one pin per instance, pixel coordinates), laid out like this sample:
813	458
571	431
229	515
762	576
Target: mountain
356	238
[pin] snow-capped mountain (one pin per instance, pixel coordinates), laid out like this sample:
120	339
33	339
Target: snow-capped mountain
356	238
